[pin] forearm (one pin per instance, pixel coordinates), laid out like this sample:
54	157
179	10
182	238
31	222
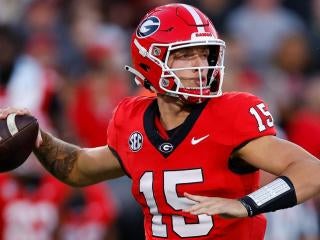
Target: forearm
300	182
58	157
305	177
283	158
291	160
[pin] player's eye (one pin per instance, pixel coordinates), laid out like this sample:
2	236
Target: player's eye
205	53
183	54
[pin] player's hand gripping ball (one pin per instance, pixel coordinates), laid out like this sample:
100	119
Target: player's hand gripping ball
18	134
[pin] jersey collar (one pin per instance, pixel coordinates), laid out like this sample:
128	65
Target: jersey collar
167	146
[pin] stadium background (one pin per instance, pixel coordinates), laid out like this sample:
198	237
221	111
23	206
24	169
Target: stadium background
64	61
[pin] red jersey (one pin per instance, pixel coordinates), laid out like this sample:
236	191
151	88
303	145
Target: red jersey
194	159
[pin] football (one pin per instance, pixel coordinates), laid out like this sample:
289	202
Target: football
18	134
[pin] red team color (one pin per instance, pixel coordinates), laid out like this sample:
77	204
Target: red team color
191	151
196	159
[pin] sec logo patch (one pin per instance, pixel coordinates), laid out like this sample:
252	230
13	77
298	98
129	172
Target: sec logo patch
135	141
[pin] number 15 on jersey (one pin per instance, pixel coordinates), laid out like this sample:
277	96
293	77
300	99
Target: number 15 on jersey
259	109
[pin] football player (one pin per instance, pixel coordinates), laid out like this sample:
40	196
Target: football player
192	152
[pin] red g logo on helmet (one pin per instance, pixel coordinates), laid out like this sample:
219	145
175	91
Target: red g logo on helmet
148	27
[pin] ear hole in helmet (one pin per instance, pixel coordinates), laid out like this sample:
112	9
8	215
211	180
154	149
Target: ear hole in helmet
147	84
145	67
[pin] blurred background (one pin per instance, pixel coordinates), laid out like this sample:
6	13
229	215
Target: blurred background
64	61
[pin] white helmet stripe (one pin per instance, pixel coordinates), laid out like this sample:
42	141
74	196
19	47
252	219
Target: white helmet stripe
195	16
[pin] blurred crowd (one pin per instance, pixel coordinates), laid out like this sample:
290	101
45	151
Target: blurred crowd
64	61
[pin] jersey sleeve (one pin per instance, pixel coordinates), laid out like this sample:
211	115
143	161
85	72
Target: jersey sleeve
252	119
117	122
115	133
113	127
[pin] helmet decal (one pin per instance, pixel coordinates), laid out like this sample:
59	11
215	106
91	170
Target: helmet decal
148	27
195	16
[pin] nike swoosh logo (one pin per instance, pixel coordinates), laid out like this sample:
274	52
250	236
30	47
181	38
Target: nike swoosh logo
195	141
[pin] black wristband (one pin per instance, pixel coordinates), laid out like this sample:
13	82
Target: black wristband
278	194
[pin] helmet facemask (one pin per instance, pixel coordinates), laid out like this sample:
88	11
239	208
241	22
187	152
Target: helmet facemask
209	79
